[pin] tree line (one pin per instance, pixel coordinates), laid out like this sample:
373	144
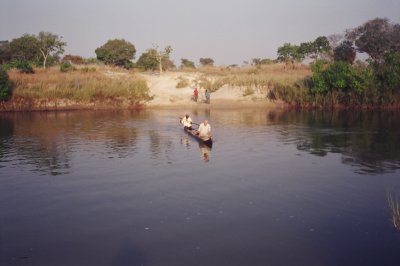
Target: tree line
337	78
46	49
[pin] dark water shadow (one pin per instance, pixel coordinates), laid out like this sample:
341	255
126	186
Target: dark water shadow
128	254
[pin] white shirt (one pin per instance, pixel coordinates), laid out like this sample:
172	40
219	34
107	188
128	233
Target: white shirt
204	130
187	122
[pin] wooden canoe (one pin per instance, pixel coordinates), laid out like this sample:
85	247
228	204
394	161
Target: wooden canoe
194	134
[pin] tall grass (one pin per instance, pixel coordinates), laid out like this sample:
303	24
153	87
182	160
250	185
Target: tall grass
394	206
79	86
267	77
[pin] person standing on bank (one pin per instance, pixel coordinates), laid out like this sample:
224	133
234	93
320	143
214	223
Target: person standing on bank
205	130
195	94
207	94
186	121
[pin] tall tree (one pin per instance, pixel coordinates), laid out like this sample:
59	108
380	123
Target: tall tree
117	52
5	52
345	52
163	57
25	48
289	53
50	44
315	49
148	60
376	37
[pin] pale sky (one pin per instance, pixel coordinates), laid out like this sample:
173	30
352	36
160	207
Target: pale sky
228	31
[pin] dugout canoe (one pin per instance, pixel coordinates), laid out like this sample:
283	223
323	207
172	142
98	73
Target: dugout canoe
193	133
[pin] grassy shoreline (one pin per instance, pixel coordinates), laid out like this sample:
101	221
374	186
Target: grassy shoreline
50	89
104	87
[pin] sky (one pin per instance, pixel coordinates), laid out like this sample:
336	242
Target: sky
228	31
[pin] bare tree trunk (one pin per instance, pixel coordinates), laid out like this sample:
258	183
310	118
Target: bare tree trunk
44	58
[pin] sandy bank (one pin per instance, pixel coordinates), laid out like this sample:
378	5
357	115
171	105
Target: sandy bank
165	93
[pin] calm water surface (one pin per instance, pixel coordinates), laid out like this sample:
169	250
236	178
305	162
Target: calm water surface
131	188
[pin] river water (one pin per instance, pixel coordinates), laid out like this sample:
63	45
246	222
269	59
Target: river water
132	188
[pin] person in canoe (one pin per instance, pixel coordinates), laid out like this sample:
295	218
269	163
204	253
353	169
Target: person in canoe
186	121
204	130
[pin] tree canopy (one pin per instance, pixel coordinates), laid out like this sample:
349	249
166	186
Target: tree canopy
5	52
148	60
206	61
50	44
116	52
187	63
25	48
345	52
376	37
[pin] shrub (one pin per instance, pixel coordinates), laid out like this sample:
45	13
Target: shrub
182	83
66	67
4	85
24	67
74	59
187	63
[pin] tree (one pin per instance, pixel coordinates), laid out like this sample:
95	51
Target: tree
163	58
321	46
376	37
4	85
25	48
50	44
5	52
314	49
116	52
148	60
335	40
289	53
187	63
74	59
206	61
153	59
345	52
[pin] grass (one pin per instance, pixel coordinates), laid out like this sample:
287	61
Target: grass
182	83
275	80
394	206
79	86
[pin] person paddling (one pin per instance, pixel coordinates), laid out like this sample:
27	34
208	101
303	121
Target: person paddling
187	122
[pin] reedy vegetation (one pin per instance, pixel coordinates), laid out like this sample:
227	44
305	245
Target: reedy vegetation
79	86
394	206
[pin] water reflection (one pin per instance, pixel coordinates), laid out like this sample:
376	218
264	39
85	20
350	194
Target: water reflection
205	152
367	141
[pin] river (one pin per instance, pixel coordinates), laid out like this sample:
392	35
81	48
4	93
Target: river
132	188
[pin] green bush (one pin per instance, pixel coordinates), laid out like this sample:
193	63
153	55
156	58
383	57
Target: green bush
388	72
24	66
4	85
66	67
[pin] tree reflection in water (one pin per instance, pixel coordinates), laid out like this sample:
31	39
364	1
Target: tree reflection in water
368	141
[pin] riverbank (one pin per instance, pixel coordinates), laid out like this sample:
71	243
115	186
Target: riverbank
105	87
